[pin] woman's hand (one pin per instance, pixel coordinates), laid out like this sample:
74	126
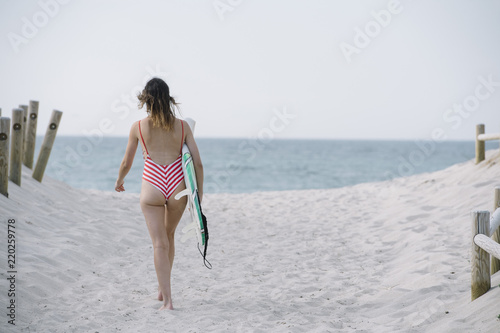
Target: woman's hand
119	185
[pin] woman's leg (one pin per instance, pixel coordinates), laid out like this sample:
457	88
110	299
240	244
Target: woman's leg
173	214
153	208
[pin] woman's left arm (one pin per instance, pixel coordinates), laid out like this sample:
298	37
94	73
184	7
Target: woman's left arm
128	159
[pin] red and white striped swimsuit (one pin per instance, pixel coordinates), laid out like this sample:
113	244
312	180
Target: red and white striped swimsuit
165	178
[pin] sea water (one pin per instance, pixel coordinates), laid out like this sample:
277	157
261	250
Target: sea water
247	165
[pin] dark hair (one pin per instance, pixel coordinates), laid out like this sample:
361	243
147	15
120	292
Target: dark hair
159	104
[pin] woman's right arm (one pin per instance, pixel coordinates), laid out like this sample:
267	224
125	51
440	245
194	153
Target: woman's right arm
128	159
195	154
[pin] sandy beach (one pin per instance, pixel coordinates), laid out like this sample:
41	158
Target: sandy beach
390	256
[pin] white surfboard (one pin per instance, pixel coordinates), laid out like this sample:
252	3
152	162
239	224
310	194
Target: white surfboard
196	228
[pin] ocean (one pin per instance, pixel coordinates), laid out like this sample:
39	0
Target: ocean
250	165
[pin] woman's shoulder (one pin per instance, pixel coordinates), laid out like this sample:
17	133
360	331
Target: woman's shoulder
135	127
141	121
135	124
185	125
180	123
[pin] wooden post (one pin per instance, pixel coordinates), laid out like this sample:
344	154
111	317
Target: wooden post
495	263
480	259
16	146
48	141
29	143
25	117
480	146
4	155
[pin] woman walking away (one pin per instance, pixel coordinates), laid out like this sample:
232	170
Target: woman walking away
161	135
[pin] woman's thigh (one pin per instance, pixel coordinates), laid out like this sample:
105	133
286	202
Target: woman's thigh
175	209
153	207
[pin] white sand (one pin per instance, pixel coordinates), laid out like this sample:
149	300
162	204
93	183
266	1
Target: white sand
381	257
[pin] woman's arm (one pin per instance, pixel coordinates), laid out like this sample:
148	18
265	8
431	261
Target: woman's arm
195	154
128	159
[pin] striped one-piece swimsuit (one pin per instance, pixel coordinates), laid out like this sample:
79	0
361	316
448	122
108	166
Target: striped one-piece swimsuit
165	178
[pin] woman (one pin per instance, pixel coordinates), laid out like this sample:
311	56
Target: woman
161	136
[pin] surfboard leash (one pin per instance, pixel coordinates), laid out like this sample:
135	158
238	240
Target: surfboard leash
205	227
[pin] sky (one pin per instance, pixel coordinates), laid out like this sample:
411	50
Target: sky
303	69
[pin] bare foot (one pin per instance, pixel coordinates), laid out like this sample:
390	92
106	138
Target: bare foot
167	306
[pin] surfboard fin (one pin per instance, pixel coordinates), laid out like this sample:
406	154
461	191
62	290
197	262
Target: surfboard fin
189	231
188	235
189	227
182	193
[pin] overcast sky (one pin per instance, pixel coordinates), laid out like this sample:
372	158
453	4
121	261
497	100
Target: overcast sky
289	68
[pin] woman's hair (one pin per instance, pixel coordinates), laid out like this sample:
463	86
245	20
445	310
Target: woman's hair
159	104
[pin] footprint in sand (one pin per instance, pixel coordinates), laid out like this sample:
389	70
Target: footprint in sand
414	217
488	183
419	228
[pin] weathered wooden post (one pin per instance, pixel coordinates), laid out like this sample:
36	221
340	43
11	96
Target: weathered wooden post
16	146
29	143
48	141
495	263
4	155
480	145
25	109
25	117
480	259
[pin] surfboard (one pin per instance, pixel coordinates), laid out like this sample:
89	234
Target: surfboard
198	226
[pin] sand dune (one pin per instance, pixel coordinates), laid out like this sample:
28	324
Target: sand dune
379	257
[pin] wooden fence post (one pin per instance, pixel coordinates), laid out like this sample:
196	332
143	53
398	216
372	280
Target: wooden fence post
16	146
4	155
29	143
25	117
495	263
480	259
48	141
480	145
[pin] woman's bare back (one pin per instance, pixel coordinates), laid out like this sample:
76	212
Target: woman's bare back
162	145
